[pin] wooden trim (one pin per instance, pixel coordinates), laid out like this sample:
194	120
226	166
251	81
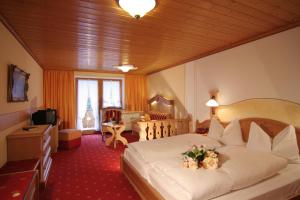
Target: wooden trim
233	45
142	187
261	99
19	39
10	119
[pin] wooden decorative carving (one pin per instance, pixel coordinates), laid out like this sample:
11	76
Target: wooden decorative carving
150	130
159	98
160	104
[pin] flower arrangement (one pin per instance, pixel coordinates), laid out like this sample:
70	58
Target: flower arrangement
199	156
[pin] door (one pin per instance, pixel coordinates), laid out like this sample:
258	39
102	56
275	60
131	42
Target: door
87	104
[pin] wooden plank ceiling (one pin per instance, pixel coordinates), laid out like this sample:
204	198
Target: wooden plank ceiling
97	34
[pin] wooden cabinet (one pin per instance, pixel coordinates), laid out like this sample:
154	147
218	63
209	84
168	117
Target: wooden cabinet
54	136
12	188
35	143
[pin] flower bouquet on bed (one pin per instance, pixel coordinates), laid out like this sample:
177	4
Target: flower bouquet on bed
199	156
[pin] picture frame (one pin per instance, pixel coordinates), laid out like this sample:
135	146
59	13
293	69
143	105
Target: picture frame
17	84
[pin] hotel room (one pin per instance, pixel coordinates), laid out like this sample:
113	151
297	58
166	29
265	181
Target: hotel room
149	99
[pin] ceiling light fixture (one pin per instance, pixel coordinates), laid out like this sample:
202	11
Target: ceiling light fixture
125	68
137	8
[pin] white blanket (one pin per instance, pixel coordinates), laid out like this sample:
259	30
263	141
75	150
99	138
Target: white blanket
178	183
154	150
240	167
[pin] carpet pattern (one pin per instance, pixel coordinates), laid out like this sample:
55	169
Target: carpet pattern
91	171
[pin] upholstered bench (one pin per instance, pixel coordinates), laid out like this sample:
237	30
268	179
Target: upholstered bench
69	139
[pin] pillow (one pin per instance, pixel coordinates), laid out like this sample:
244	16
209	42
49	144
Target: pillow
231	135
215	130
247	167
284	144
258	139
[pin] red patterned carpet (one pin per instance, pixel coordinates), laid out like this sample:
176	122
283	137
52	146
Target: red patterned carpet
89	172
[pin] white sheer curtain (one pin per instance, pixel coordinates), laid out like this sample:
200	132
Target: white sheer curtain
111	93
87	88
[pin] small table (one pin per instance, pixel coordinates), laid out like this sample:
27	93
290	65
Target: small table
115	130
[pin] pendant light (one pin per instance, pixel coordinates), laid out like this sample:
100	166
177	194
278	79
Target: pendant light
137	8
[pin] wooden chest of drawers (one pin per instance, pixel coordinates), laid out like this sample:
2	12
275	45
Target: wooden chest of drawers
32	144
19	186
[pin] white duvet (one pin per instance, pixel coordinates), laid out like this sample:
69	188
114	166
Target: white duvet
239	168
154	150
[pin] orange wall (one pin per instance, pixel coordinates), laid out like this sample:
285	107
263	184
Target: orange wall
12	52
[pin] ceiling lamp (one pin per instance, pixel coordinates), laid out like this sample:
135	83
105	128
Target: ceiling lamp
126	68
137	8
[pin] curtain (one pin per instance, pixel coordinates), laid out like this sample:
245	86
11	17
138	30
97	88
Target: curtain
111	93
135	93
87	105
59	94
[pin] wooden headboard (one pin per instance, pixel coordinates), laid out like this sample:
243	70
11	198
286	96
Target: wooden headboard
270	126
161	104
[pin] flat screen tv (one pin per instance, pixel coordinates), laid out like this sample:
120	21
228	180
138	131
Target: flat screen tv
17	84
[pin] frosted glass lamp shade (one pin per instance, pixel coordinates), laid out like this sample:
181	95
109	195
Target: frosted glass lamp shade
212	103
137	8
126	68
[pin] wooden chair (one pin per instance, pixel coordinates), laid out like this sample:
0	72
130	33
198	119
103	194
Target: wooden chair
109	115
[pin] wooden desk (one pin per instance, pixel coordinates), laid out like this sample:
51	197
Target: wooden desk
32	144
115	130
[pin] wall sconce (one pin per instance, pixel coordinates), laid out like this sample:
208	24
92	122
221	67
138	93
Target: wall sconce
212	103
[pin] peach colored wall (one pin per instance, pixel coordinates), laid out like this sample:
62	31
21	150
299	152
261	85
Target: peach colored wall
170	83
12	52
268	67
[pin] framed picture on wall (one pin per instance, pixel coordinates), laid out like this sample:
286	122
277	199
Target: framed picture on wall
17	84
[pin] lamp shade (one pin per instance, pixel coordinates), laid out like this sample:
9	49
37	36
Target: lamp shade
126	68
137	8
212	103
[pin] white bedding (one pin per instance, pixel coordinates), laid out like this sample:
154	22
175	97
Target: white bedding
159	162
240	167
154	150
177	183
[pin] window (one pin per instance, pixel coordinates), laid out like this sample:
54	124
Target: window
112	93
87	105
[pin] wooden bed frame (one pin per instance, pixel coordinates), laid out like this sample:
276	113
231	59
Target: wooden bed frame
270	126
147	192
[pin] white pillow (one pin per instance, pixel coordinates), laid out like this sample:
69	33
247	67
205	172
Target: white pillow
231	135
259	139
215	130
247	167
284	144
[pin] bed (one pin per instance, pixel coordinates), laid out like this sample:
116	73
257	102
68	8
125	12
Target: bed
159	121
148	170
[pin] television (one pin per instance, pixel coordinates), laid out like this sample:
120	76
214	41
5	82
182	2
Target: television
47	116
17	84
